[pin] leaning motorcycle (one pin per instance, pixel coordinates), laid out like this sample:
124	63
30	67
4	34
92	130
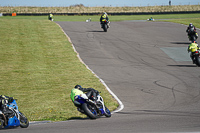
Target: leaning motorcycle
105	25
13	117
90	108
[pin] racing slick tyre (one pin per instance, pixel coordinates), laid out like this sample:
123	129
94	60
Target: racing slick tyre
89	110
24	123
107	112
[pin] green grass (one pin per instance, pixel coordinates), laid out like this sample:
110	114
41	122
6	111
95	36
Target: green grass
194	21
112	18
39	67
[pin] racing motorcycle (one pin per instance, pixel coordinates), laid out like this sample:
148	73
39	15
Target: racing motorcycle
150	19
12	117
193	35
105	25
196	57
90	108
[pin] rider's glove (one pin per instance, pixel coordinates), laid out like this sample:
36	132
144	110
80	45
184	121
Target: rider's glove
97	92
197	35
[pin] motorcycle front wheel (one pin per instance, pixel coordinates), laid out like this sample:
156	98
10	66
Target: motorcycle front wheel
107	112
90	110
24	123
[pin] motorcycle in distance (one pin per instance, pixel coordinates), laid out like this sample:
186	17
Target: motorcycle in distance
193	35
13	117
150	19
105	25
50	17
90	108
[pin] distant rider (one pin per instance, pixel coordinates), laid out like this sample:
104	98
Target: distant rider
51	16
104	17
192	48
191	30
78	90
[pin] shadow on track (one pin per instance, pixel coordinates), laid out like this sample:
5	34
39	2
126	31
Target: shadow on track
187	43
183	65
95	31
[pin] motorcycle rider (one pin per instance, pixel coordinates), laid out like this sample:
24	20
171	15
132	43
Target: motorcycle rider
4	100
104	17
192	48
78	90
51	16
191	30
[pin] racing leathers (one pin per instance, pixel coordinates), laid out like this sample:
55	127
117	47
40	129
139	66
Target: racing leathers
103	18
90	93
191	30
193	47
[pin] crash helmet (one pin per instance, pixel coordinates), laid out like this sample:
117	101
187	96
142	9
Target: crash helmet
194	41
77	87
191	25
105	13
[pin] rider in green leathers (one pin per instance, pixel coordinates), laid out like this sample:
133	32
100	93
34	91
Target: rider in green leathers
51	16
78	90
192	48
104	17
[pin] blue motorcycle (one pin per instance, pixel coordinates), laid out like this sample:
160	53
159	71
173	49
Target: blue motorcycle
12	117
90	108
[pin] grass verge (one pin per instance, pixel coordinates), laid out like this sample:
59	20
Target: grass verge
39	68
112	18
194	21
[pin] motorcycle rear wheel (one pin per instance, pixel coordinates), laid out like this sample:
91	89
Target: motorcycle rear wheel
90	111
24	123
1	124
105	27
197	60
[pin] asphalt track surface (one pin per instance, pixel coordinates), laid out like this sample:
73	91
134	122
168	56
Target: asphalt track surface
160	88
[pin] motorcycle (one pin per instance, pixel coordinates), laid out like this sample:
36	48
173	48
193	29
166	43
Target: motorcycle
13	117
196	57
192	35
105	25
150	19
50	18
90	108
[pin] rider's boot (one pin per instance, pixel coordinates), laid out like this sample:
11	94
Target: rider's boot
80	110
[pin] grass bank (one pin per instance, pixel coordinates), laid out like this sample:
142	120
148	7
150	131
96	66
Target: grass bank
39	67
83	9
194	21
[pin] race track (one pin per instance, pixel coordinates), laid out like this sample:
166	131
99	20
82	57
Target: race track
147	66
